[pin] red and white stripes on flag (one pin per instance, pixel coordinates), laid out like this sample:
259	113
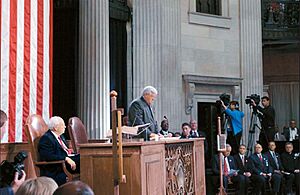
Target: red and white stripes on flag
26	63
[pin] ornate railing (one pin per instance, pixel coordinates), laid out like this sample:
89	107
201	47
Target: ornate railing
281	20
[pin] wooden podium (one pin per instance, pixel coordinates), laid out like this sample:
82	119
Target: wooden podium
154	167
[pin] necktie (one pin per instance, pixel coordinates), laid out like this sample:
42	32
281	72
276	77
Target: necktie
243	161
275	159
63	145
225	167
260	158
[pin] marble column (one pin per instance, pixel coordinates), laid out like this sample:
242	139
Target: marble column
93	73
251	55
156	52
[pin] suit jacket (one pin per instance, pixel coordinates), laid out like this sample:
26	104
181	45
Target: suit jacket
141	113
258	166
286	133
290	162
246	167
50	150
216	162
272	162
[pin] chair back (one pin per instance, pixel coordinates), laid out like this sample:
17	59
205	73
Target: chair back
35	128
77	132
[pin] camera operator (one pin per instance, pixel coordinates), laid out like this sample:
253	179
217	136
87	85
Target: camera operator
267	118
16	182
234	133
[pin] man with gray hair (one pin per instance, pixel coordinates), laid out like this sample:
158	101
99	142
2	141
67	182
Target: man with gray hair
140	112
53	147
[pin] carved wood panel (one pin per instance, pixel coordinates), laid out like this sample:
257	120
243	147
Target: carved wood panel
179	169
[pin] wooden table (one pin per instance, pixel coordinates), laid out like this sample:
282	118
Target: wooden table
152	168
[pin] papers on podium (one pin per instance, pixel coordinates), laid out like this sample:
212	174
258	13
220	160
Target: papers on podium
130	130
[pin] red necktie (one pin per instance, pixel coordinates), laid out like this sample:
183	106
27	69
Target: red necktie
260	158
225	167
63	145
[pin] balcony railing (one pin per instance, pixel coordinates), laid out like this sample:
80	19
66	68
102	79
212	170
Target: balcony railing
281	20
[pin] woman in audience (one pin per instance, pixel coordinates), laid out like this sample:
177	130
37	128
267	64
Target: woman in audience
74	187
36	186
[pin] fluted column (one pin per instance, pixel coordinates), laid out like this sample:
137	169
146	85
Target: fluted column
156	49
93	72
251	55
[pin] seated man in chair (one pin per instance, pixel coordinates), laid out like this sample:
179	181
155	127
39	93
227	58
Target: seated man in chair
53	147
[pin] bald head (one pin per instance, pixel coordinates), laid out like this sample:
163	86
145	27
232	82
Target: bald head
3	118
74	188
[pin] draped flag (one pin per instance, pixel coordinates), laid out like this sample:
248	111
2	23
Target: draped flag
25	63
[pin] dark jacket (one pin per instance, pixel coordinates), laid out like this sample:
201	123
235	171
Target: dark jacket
272	162
258	166
290	162
50	150
267	117
140	113
286	133
216	163
246	167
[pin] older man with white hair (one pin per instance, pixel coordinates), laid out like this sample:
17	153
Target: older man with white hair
141	112
53	147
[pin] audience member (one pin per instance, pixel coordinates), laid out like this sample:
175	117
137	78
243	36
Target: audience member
276	167
186	129
261	170
14	185
291	133
244	167
16	182
229	170
291	165
36	186
74	188
235	130
195	132
165	128
52	147
278	136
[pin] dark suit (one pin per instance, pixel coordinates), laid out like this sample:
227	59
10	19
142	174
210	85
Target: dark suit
238	180
246	167
286	133
50	150
276	177
140	113
259	167
290	162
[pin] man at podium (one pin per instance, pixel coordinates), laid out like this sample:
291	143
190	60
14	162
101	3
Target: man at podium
140	112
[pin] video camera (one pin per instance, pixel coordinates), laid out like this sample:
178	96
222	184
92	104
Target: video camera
8	169
254	97
225	98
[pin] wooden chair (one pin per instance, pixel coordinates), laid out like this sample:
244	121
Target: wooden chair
35	128
78	134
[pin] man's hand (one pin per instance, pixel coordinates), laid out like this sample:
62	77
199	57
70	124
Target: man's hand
297	171
253	103
71	163
269	174
247	174
277	171
223	104
170	135
17	182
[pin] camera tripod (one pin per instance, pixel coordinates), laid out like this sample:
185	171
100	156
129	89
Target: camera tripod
251	136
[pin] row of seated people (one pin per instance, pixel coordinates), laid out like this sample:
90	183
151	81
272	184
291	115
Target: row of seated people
262	169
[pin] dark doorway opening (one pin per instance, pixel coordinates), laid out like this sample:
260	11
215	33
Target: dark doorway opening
207	122
119	14
65	57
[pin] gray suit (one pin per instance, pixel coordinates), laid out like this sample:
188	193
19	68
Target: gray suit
141	113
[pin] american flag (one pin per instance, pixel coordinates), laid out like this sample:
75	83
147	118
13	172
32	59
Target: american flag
25	63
